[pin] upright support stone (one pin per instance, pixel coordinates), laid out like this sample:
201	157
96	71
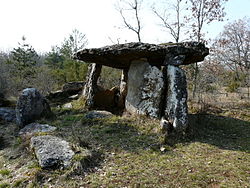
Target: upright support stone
145	83
123	89
176	112
91	88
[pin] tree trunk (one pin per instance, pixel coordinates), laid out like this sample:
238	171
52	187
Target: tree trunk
196	71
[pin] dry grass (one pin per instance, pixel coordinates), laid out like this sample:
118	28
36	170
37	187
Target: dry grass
215	153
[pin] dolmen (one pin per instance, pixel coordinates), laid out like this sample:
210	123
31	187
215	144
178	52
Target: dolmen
152	81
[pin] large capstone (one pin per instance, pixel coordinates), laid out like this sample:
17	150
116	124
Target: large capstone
145	83
52	152
31	106
121	55
176	101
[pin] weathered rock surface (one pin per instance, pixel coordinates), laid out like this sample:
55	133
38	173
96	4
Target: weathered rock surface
68	89
145	84
7	114
91	87
36	128
121	55
52	152
176	102
31	106
73	87
98	114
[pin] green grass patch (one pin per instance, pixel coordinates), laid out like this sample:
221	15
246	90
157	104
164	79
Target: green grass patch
128	152
4	185
5	172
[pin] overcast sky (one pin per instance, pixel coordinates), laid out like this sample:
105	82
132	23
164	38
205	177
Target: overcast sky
46	23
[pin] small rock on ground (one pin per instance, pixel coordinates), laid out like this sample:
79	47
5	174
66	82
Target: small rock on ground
35	128
98	114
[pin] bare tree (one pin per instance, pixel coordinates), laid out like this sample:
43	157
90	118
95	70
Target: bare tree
132	8
174	25
233	49
75	41
203	12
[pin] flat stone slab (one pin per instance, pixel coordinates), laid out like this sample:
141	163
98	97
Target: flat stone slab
98	114
33	128
51	151
8	114
121	55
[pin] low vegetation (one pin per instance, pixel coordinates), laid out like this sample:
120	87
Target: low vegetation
129	152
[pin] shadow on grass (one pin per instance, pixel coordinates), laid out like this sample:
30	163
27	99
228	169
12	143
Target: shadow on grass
223	132
121	136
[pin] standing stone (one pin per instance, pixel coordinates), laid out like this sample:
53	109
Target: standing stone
91	87
176	102
31	106
123	89
145	84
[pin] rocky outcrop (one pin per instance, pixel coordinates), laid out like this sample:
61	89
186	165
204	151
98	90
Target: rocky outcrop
8	114
121	55
145	83
68	90
52	152
31	106
33	128
176	101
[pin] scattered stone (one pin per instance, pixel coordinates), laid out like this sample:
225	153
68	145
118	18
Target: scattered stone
73	87
7	114
31	106
68	105
176	102
98	114
121	55
70	90
52	152
36	128
145	84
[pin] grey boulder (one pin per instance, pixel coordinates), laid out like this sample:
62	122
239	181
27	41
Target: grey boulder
52	152
31	106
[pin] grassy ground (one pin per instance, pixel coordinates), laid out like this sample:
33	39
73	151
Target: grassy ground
128	152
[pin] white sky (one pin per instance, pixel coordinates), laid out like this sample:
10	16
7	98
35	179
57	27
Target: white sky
46	23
